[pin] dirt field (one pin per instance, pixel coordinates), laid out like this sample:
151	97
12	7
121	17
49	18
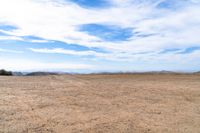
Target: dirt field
100	104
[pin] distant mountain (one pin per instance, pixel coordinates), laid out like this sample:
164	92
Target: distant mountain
161	72
41	74
17	74
156	72
164	71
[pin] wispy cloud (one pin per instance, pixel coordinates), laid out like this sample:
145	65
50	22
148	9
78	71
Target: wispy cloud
10	51
27	65
168	55
67	52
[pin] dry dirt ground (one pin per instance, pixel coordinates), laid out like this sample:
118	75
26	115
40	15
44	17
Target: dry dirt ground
146	103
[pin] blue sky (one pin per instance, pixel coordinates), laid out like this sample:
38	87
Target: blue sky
100	35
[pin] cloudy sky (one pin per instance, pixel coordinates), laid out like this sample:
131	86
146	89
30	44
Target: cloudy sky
100	35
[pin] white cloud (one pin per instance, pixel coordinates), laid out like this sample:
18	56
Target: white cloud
52	21
59	20
10	38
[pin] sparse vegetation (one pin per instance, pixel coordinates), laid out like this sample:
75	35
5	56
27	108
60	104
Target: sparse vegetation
5	73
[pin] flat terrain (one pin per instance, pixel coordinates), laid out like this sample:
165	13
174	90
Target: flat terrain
123	103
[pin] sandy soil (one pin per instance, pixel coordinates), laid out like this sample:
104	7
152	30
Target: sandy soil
100	104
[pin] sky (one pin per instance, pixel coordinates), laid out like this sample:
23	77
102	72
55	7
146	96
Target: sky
100	35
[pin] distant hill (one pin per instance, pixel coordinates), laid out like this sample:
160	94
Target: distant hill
197	72
161	72
41	74
5	73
